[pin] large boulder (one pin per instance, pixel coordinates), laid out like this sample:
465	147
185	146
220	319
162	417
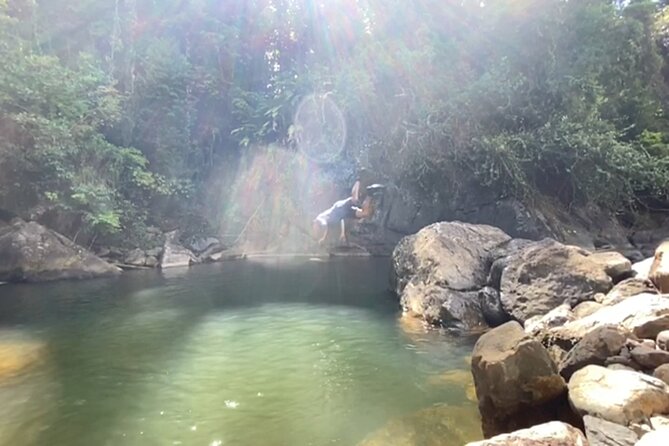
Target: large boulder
516	381
649	358
174	254
618	396
645	315
546	274
439	270
595	347
605	433
554	433
30	252
659	270
450	254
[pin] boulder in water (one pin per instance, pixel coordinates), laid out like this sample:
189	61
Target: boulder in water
174	254
17	355
32	253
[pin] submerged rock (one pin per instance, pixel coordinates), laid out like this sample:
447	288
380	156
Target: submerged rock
30	252
434	426
554	433
517	383
618	396
545	275
17	355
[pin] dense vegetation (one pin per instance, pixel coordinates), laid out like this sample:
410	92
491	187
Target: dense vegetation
118	114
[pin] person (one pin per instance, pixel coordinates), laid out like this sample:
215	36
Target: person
342	210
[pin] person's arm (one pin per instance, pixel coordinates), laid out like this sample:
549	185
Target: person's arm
355	192
367	209
325	235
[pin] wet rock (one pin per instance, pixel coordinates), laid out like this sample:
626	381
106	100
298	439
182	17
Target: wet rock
645	315
605	433
586	309
662	373
616	395
175	255
627	288
555	318
429	427
30	252
517	383
554	433
545	274
617	266
491	307
649	358
655	438
659	269
594	348
443	306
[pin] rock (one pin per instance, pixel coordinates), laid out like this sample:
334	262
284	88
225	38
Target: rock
554	433
445	264
199	245
662	340
616	395
451	254
175	255
616	366
546	274
18	354
659	269
30	252
151	261
655	438
135	257
444	306
501	257
491	307
659	422
429	427
662	373
555	318
649	358
585	309
645	315
642	268
627	288
605	433
517	384
154	252
594	348
103	252
617	266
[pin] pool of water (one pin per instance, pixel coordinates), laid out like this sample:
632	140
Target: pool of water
255	353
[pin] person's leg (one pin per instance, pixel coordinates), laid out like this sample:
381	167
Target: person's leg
342	234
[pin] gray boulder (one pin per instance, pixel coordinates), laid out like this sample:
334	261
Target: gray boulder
595	347
136	257
546	274
605	433
649	358
30	252
175	255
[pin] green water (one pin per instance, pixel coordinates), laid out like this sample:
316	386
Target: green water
255	353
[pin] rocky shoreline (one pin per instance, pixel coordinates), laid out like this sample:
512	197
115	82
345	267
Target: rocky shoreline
575	349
